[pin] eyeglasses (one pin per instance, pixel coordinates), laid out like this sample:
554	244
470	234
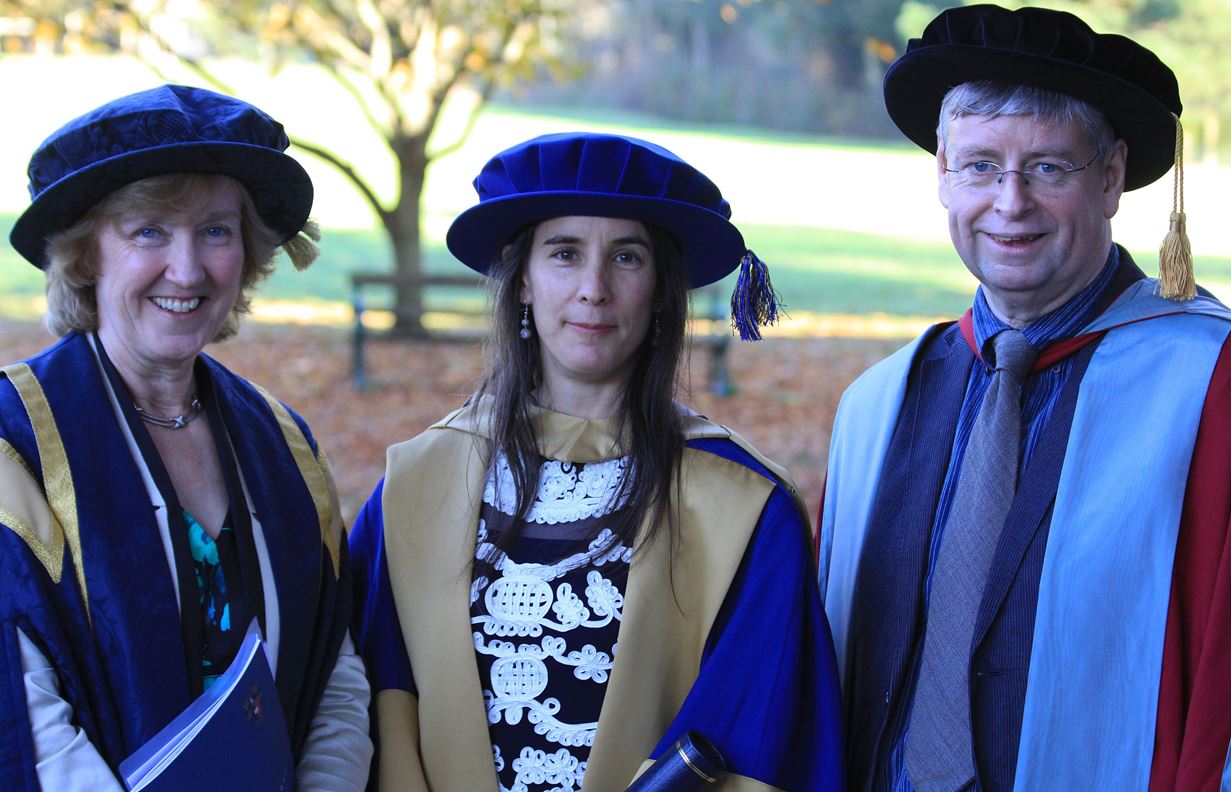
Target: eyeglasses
1045	174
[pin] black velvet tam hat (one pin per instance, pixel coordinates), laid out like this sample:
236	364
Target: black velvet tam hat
169	129
1046	49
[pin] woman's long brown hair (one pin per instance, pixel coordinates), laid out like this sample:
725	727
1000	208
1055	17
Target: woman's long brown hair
650	419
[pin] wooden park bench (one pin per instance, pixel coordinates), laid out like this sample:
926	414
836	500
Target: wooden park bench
470	310
467	307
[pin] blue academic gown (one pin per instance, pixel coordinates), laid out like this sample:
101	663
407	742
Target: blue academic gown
766	689
102	608
1069	640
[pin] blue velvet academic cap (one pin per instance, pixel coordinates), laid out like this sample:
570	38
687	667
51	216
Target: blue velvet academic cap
587	174
1046	49
169	129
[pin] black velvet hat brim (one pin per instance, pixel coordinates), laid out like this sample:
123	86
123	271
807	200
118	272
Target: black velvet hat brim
1046	49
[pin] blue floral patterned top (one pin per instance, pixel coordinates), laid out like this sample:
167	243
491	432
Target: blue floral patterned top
218	643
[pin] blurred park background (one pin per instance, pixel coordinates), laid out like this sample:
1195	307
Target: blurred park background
393	106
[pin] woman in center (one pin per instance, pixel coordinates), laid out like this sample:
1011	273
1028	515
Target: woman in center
560	578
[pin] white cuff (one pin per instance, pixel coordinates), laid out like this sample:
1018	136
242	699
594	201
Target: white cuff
338	752
65	759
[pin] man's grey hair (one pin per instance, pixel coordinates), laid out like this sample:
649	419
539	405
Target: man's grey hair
993	99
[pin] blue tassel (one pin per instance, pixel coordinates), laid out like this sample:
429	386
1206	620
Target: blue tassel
754	303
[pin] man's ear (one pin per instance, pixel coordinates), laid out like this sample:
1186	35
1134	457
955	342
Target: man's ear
942	180
1114	168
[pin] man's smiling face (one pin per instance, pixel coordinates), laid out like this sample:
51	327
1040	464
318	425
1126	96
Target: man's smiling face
1032	246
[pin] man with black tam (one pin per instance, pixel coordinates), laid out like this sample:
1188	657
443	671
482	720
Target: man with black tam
1024	533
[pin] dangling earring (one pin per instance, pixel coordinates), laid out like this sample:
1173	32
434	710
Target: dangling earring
658	330
524	333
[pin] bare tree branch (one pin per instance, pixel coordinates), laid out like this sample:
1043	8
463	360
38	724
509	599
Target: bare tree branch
485	86
471	120
347	170
383	126
380	53
399	60
322	35
193	64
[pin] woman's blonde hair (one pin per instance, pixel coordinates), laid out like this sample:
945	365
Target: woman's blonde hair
72	254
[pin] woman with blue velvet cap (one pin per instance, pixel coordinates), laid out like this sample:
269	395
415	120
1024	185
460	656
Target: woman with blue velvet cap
153	504
558	580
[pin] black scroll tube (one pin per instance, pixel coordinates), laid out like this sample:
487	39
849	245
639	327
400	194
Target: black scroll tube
692	764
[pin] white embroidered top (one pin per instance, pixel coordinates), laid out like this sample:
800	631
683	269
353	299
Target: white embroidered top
544	650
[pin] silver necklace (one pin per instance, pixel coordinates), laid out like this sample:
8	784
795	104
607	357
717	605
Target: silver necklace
174	422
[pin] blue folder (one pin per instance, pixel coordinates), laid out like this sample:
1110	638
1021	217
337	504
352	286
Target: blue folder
232	737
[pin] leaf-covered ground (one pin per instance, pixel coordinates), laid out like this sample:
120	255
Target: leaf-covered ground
787	391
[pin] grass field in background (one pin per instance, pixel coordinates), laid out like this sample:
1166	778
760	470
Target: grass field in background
849	228
817	271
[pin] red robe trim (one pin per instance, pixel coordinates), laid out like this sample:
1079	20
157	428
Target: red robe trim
1194	707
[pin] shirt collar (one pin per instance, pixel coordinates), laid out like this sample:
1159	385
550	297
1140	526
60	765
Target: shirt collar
1059	324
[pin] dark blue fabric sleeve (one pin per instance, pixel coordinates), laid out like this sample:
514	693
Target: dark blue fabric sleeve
17	748
58	629
378	633
767	691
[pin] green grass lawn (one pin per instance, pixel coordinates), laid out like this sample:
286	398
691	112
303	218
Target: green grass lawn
847	227
816	270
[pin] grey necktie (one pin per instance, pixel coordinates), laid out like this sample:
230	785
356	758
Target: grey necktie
939	744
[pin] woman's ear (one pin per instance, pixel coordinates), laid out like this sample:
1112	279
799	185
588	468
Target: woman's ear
524	294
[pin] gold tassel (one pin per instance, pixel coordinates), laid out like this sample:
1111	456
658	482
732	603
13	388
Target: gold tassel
301	248
1175	256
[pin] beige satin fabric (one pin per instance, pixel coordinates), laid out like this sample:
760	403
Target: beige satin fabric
315	471
433	490
61	497
24	509
397	720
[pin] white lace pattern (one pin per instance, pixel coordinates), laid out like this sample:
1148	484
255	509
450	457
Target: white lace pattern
523	600
565	493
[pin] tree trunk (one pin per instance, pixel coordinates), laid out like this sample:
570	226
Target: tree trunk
404	229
